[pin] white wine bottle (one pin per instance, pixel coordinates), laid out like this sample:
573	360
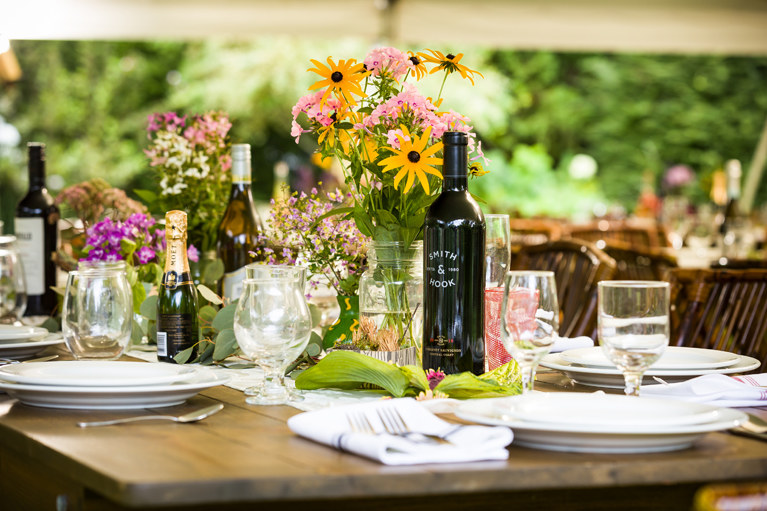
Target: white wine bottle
177	323
239	230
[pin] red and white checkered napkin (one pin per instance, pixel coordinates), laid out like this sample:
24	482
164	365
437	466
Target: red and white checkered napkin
715	389
520	316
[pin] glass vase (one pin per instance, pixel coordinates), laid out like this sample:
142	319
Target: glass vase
391	297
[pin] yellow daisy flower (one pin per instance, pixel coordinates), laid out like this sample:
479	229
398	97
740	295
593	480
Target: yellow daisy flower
331	131
343	79
419	65
450	63
413	159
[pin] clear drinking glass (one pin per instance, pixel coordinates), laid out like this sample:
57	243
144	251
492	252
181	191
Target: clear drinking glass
272	325
97	314
633	326
13	289
529	319
497	249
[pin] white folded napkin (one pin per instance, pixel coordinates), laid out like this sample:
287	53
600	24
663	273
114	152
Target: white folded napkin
332	426
571	343
715	389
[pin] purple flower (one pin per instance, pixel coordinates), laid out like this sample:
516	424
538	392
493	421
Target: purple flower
192	253
145	254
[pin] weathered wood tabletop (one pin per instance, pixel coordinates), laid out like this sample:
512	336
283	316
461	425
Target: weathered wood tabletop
245	457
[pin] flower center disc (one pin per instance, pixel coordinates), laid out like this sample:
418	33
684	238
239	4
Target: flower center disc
337	76
450	56
414	156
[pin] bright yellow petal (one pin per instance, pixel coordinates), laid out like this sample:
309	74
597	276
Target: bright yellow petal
399	176
424	181
431	150
410	179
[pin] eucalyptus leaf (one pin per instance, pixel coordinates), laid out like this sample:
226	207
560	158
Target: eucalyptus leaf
207	313
183	356
226	344
137	333
225	317
139	295
51	325
213	272
313	350
148	308
206	357
208	294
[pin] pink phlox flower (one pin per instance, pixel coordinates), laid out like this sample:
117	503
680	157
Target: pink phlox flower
145	254
192	253
393	136
387	61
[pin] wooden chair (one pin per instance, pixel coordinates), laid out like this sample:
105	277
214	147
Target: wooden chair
636	234
533	231
577	266
639	263
720	309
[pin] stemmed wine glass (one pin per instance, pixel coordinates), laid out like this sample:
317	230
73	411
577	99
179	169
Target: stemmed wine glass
272	325
633	326
529	319
13	290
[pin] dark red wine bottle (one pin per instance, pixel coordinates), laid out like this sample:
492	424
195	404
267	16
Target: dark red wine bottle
36	229
454	278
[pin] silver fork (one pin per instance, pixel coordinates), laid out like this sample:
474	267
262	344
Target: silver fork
394	424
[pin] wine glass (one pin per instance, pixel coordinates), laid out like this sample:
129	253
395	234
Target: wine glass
13	290
272	325
529	319
497	249
97	313
633	326
268	271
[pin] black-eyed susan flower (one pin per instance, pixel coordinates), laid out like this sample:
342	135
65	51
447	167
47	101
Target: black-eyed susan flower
342	79
417	65
413	159
476	169
450	63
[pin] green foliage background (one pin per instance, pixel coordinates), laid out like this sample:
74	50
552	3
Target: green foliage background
634	114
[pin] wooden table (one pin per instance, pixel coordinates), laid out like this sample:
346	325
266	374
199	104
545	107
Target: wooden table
245	457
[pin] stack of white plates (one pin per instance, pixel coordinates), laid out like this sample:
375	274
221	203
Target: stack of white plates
579	422
21	342
590	366
104	385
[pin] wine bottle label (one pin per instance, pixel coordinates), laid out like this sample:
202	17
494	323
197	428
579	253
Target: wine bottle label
232	284
177	332
442	269
30	241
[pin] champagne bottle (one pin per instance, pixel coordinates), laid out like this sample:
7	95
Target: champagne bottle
177	323
240	227
454	280
36	231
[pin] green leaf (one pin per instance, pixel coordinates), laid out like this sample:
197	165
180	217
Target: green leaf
147	196
213	271
207	313
139	295
127	245
417	376
51	325
467	385
362	219
209	295
137	333
350	370
386	218
316	314
226	344
148	308
225	317
183	356
313	350
206	357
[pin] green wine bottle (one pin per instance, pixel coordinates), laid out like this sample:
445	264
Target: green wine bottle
177	323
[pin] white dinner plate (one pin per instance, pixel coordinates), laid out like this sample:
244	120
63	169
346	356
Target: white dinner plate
98	373
11	333
113	398
596	438
611	377
606	411
28	349
673	358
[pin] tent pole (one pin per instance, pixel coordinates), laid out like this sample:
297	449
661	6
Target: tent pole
755	171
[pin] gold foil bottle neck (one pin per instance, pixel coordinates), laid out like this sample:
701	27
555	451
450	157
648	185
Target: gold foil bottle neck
175	225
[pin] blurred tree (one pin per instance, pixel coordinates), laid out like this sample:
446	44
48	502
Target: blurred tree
636	112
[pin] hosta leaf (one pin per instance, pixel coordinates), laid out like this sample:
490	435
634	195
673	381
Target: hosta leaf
350	370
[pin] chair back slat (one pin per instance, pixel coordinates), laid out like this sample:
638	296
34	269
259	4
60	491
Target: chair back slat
720	309
578	266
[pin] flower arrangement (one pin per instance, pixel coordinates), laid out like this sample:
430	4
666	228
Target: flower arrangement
385	133
331	247
138	242
96	199
191	157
